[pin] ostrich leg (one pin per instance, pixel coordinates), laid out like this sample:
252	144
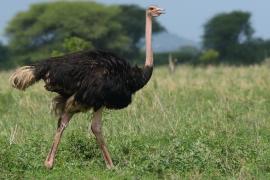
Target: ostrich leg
96	127
62	123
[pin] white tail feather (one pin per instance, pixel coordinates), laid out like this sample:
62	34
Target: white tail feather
23	77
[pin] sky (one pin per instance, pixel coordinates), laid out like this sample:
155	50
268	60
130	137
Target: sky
183	17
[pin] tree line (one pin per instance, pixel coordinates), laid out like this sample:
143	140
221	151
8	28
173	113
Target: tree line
52	29
228	38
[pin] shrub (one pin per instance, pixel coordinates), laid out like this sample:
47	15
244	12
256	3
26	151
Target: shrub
209	56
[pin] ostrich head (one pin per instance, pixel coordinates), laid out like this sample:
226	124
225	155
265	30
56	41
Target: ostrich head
155	11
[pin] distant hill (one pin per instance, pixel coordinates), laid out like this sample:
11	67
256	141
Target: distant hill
167	42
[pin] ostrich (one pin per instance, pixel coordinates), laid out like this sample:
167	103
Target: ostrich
88	80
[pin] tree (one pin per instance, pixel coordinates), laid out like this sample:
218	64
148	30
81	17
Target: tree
4	53
187	54
226	32
45	27
255	51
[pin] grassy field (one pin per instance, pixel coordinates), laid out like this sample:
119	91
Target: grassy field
198	123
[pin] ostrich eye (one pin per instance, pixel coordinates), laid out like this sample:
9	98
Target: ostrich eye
151	8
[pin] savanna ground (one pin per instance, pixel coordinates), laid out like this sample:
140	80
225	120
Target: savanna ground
198	123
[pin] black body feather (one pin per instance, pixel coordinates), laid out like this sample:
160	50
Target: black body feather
94	78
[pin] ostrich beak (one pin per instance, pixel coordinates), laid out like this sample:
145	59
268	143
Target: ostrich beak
161	11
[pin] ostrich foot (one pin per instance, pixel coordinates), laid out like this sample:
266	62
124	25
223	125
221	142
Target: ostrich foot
110	166
48	164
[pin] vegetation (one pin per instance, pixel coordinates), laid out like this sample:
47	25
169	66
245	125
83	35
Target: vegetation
4	53
198	123
226	30
209	56
231	35
72	44
36	33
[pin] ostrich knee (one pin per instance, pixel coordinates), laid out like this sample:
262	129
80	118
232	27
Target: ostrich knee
96	128
96	125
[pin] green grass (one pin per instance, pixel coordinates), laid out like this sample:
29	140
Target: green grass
198	123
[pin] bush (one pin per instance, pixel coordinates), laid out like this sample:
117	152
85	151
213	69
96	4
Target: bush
73	44
210	56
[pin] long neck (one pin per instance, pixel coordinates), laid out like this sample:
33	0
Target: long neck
148	41
142	76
